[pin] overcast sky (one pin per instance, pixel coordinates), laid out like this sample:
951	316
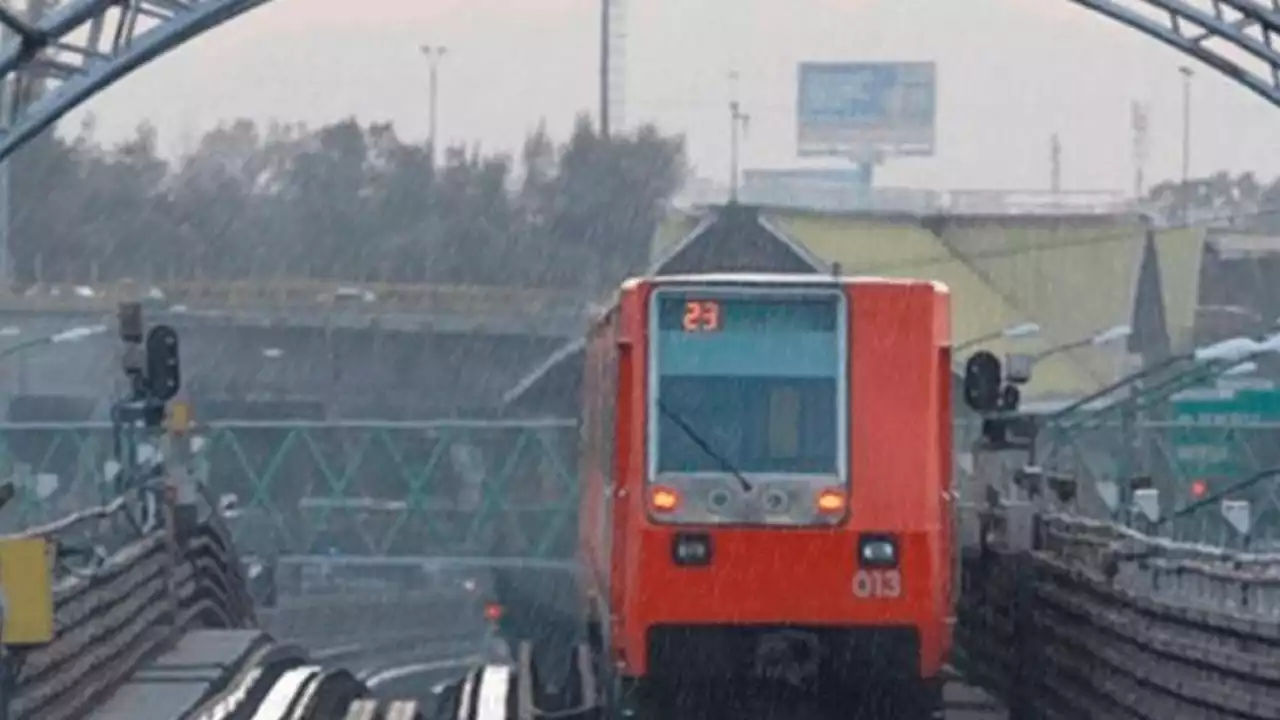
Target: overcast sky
1011	73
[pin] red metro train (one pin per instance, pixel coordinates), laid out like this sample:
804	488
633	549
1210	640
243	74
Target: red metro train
766	476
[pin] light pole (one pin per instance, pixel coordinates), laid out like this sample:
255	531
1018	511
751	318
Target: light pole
434	54
606	10
1187	74
1013	332
738	125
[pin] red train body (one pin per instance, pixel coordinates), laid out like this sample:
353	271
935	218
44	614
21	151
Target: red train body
768	458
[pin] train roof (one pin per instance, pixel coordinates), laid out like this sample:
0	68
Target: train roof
820	279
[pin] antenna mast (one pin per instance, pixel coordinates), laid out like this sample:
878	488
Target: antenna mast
1138	123
739	122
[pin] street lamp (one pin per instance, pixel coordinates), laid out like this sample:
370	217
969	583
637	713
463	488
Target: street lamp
1233	356
1098	339
1013	332
1248	367
71	335
1229	349
434	54
1187	73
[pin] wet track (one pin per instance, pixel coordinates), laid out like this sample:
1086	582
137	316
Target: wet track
766	702
419	681
421	678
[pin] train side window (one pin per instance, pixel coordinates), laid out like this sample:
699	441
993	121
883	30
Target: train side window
784	422
609	411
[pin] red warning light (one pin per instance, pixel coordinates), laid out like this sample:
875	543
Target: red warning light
1199	488
492	612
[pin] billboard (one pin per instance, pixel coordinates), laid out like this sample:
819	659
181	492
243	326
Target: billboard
855	109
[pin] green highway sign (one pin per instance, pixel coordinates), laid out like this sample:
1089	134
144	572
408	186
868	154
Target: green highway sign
1213	438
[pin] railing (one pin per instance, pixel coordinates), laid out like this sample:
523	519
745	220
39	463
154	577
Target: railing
320	295
1095	620
1178	456
115	610
1086	619
365	488
834	196
508	489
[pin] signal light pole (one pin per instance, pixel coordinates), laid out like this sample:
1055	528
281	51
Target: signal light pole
150	361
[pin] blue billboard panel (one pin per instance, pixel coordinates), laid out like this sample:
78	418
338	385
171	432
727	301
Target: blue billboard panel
866	109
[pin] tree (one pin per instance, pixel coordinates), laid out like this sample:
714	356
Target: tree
345	202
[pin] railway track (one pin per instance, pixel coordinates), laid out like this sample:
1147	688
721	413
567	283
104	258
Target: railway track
763	702
580	698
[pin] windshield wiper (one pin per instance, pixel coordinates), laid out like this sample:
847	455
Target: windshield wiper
704	446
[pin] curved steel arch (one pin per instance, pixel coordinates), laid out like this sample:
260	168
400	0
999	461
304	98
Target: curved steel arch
84	46
1249	27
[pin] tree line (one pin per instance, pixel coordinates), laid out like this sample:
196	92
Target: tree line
347	201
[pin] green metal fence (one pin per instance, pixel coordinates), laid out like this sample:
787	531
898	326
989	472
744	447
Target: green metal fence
428	488
1186	458
509	489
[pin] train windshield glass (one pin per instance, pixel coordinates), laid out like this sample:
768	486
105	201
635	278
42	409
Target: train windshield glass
748	382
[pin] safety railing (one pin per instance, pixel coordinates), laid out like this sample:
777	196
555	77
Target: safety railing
115	609
321	295
1185	459
1097	620
843	196
455	488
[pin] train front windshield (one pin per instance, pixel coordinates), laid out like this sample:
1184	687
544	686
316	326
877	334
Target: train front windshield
748	384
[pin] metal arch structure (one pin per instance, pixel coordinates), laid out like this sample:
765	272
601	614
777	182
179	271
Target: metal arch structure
80	47
83	46
1244	28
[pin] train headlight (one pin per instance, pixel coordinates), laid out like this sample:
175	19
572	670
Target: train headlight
878	551
776	501
664	499
719	500
831	502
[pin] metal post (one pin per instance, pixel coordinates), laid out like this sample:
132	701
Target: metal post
1187	74
435	100
8	98
737	123
1055	164
8	681
434	54
734	109
605	10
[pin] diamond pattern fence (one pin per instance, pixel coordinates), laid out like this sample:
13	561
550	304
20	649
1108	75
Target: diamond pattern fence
1178	455
454	489
488	488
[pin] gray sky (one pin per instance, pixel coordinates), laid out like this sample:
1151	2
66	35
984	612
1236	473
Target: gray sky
1011	72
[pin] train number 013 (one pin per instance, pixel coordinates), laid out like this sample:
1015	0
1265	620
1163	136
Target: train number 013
877	584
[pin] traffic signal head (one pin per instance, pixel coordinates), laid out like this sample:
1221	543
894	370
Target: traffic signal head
164	377
982	376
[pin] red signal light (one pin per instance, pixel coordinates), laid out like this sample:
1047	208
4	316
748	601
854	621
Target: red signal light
1199	489
492	612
